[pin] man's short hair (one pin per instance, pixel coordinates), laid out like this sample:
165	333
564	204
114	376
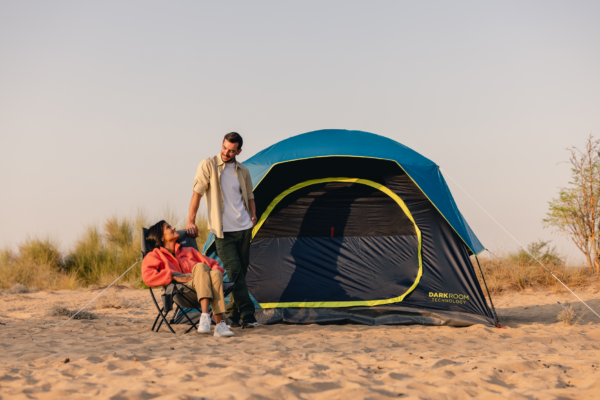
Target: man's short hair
234	137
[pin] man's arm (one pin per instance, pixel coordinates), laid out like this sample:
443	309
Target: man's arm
251	203
201	182
252	206
191	227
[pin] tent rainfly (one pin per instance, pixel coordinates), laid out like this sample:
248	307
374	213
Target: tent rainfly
356	227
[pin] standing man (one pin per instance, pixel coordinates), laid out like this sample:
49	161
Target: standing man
231	217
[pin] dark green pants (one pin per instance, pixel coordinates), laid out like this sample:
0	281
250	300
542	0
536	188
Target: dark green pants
234	252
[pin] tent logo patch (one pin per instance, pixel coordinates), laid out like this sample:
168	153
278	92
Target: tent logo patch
449	298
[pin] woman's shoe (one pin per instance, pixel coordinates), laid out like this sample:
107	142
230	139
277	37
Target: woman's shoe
222	330
204	323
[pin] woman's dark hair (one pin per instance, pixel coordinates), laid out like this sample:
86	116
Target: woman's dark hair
155	235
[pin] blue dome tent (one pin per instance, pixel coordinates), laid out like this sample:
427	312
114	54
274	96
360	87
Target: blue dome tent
356	227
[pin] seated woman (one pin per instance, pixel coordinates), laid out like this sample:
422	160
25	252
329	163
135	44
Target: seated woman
169	262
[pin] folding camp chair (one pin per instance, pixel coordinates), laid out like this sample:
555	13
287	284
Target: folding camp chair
187	309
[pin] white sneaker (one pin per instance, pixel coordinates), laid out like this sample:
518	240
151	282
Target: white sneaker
204	323
222	330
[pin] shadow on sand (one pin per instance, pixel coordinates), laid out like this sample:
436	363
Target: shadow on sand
547	314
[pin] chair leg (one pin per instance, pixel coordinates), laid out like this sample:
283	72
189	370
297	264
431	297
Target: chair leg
160	314
194	325
164	319
155	321
175	314
188	318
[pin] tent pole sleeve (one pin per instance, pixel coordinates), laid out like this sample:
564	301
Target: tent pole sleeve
488	292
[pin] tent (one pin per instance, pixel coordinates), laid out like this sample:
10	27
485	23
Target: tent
356	227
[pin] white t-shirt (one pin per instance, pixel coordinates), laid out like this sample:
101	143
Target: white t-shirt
235	216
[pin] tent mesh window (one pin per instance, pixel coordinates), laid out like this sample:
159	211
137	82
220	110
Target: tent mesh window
285	175
336	209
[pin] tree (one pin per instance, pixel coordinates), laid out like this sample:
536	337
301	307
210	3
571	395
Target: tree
576	211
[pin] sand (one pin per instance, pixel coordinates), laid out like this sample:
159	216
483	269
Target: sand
118	358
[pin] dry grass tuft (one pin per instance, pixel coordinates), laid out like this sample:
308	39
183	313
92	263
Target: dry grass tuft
501	278
60	311
568	316
596	283
113	300
37	264
101	256
17	288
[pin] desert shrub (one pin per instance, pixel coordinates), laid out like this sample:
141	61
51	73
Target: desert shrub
569	316
99	257
539	250
500	277
36	264
118	233
18	288
113	300
89	258
566	315
41	252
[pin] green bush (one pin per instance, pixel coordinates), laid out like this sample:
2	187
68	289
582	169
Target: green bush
539	250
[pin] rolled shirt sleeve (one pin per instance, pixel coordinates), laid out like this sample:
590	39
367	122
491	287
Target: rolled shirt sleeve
202	178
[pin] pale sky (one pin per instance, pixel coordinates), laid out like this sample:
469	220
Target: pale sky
109	106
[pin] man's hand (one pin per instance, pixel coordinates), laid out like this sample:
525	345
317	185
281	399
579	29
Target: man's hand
252	206
192	229
182	279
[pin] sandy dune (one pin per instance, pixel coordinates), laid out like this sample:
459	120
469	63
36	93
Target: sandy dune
118	358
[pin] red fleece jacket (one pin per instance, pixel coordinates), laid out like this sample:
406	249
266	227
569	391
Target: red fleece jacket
159	265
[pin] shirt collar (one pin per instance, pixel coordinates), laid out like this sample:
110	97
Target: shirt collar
221	162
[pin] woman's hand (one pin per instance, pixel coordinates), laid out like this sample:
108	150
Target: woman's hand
182	279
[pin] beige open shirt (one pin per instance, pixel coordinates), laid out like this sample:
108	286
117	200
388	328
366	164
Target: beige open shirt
207	182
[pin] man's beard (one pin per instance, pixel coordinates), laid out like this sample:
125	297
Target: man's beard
232	159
